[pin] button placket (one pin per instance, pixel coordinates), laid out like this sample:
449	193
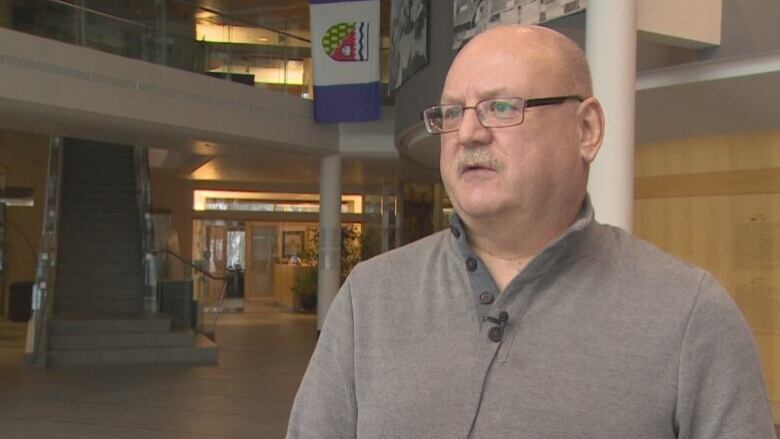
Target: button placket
471	263
495	334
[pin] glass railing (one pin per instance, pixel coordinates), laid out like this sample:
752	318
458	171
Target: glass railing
46	270
237	46
143	187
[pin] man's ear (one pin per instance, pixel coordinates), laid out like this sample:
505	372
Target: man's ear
590	127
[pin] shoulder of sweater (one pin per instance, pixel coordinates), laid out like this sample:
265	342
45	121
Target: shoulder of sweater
644	260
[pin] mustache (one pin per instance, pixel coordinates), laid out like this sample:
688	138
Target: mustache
477	157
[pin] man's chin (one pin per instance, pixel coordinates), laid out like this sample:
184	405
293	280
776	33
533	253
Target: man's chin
479	209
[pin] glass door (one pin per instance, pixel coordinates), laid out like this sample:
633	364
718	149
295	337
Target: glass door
261	260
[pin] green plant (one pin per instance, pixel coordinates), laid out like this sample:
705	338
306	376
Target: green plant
353	250
305	286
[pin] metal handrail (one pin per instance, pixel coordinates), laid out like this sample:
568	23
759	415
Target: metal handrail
223	292
190	264
83	8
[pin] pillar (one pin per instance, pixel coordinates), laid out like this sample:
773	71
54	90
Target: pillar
611	51
328	281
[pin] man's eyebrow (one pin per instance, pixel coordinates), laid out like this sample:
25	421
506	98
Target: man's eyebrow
448	100
500	92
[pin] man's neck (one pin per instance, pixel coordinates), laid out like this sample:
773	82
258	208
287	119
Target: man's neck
507	245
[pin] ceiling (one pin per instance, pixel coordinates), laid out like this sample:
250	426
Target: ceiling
281	168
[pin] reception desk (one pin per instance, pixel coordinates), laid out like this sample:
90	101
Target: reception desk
284	274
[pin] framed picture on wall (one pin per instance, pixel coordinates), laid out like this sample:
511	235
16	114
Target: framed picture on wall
311	238
408	39
292	243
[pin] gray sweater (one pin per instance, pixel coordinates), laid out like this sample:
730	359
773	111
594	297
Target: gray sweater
605	336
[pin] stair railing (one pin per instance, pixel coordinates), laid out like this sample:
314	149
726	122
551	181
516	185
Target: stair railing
144	196
46	270
204	308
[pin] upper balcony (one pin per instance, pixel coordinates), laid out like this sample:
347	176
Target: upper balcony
261	44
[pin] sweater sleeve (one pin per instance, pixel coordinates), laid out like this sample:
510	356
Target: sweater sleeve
325	406
721	391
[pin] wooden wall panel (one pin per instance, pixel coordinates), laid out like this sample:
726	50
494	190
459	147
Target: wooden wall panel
709	154
715	202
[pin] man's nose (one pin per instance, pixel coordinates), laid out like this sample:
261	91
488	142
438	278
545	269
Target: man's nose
471	131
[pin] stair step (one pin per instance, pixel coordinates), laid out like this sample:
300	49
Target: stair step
100	215
120	202
81	183
61	325
118	172
89	296
85	246
114	307
101	168
112	269
99	234
100	276
98	188
203	352
179	338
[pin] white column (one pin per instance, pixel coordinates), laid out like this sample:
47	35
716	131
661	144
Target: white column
328	281
611	51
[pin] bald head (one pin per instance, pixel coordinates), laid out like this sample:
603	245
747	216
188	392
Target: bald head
552	55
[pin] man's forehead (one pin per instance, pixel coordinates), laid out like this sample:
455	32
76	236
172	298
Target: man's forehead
492	91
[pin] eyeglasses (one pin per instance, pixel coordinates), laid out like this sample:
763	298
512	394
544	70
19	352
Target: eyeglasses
491	113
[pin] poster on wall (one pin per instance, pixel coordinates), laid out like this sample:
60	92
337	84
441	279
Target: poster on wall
471	17
408	39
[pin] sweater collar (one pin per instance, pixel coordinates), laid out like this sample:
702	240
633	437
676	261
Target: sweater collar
552	253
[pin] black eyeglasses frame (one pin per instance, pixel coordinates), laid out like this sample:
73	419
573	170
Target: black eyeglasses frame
527	103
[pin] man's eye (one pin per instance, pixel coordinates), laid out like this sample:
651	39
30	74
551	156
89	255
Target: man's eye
452	113
502	107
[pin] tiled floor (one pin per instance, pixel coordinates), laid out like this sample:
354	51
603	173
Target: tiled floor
263	354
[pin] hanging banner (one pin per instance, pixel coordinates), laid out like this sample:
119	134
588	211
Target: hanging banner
471	17
345	60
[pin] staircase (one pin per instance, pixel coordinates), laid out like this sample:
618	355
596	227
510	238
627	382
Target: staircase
99	300
155	339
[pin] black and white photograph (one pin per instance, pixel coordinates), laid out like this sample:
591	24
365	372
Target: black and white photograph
470	17
408	39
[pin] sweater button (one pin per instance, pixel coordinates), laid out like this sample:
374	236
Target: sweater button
495	334
471	263
455	231
485	298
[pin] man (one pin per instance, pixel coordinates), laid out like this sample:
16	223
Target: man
528	318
